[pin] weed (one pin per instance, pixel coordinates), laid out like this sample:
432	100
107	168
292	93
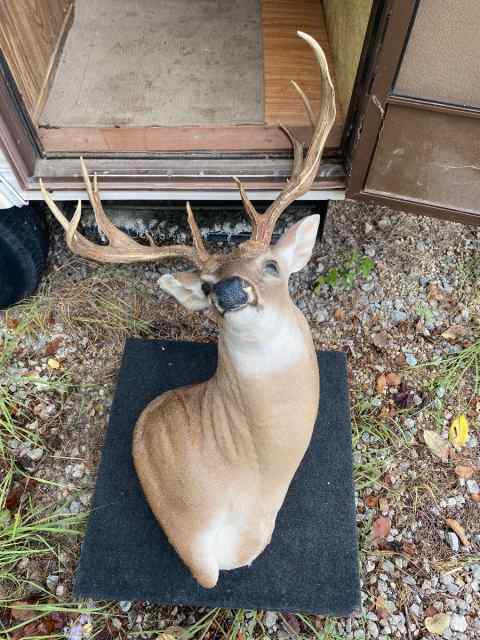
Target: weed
345	275
424	312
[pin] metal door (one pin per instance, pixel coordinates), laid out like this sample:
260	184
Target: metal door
414	137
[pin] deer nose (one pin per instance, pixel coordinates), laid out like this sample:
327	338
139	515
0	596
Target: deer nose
230	293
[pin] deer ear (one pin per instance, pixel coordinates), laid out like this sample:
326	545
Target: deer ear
296	245
186	288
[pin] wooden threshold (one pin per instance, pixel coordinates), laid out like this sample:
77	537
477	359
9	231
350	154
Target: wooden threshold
234	138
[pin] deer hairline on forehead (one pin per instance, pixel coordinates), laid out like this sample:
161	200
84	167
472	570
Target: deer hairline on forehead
122	248
215	459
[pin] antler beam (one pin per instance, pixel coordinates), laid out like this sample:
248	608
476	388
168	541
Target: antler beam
120	248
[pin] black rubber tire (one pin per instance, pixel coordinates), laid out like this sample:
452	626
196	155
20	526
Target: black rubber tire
23	253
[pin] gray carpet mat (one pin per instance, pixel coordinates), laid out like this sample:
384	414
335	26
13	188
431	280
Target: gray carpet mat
311	564
159	62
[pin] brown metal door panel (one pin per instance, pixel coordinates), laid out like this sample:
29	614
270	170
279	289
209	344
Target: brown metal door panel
441	60
413	144
428	157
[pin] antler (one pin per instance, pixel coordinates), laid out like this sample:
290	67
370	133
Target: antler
121	248
304	171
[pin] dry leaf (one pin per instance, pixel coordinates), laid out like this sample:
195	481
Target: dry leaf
434	293
393	380
18	613
475	497
409	548
339	314
454	332
437	445
459	530
53	364
380	339
371	501
384	506
464	471
384	608
437	623
53	346
381	528
458	434
381	383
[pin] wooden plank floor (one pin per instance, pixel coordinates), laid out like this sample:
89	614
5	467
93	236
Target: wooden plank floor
287	57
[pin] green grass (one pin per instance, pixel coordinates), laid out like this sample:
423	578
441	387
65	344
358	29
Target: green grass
345	275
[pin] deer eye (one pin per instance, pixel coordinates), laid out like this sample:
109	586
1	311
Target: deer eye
271	268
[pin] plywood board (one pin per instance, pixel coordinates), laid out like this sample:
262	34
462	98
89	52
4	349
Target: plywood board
159	63
287	57
30	34
347	22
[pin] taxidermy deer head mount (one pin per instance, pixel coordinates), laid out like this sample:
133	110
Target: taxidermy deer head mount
215	459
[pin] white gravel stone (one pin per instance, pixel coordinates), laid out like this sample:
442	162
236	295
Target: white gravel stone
472	486
372	629
453	541
271	618
458	623
35	454
52	582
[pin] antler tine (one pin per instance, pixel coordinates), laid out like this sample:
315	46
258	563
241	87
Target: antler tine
297	150
304	171
306	103
198	243
121	248
254	216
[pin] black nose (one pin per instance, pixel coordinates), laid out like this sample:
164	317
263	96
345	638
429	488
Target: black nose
206	288
230	293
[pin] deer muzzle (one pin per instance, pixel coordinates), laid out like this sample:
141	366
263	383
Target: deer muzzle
232	294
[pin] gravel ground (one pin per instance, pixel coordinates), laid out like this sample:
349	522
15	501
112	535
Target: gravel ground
404	293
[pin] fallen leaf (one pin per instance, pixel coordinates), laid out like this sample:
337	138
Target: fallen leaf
434	293
12	323
475	497
381	528
458	434
384	608
14	496
20	614
464	471
459	530
292	623
371	501
437	623
437	445
53	364
393	379
405	398
400	360
53	346
454	332
384	506
380	339
339	314
409	548
381	383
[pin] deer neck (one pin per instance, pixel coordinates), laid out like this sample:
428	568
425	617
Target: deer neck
254	371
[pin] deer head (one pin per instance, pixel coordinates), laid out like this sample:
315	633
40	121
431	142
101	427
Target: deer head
251	282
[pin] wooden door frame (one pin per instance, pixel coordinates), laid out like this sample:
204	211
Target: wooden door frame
387	36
